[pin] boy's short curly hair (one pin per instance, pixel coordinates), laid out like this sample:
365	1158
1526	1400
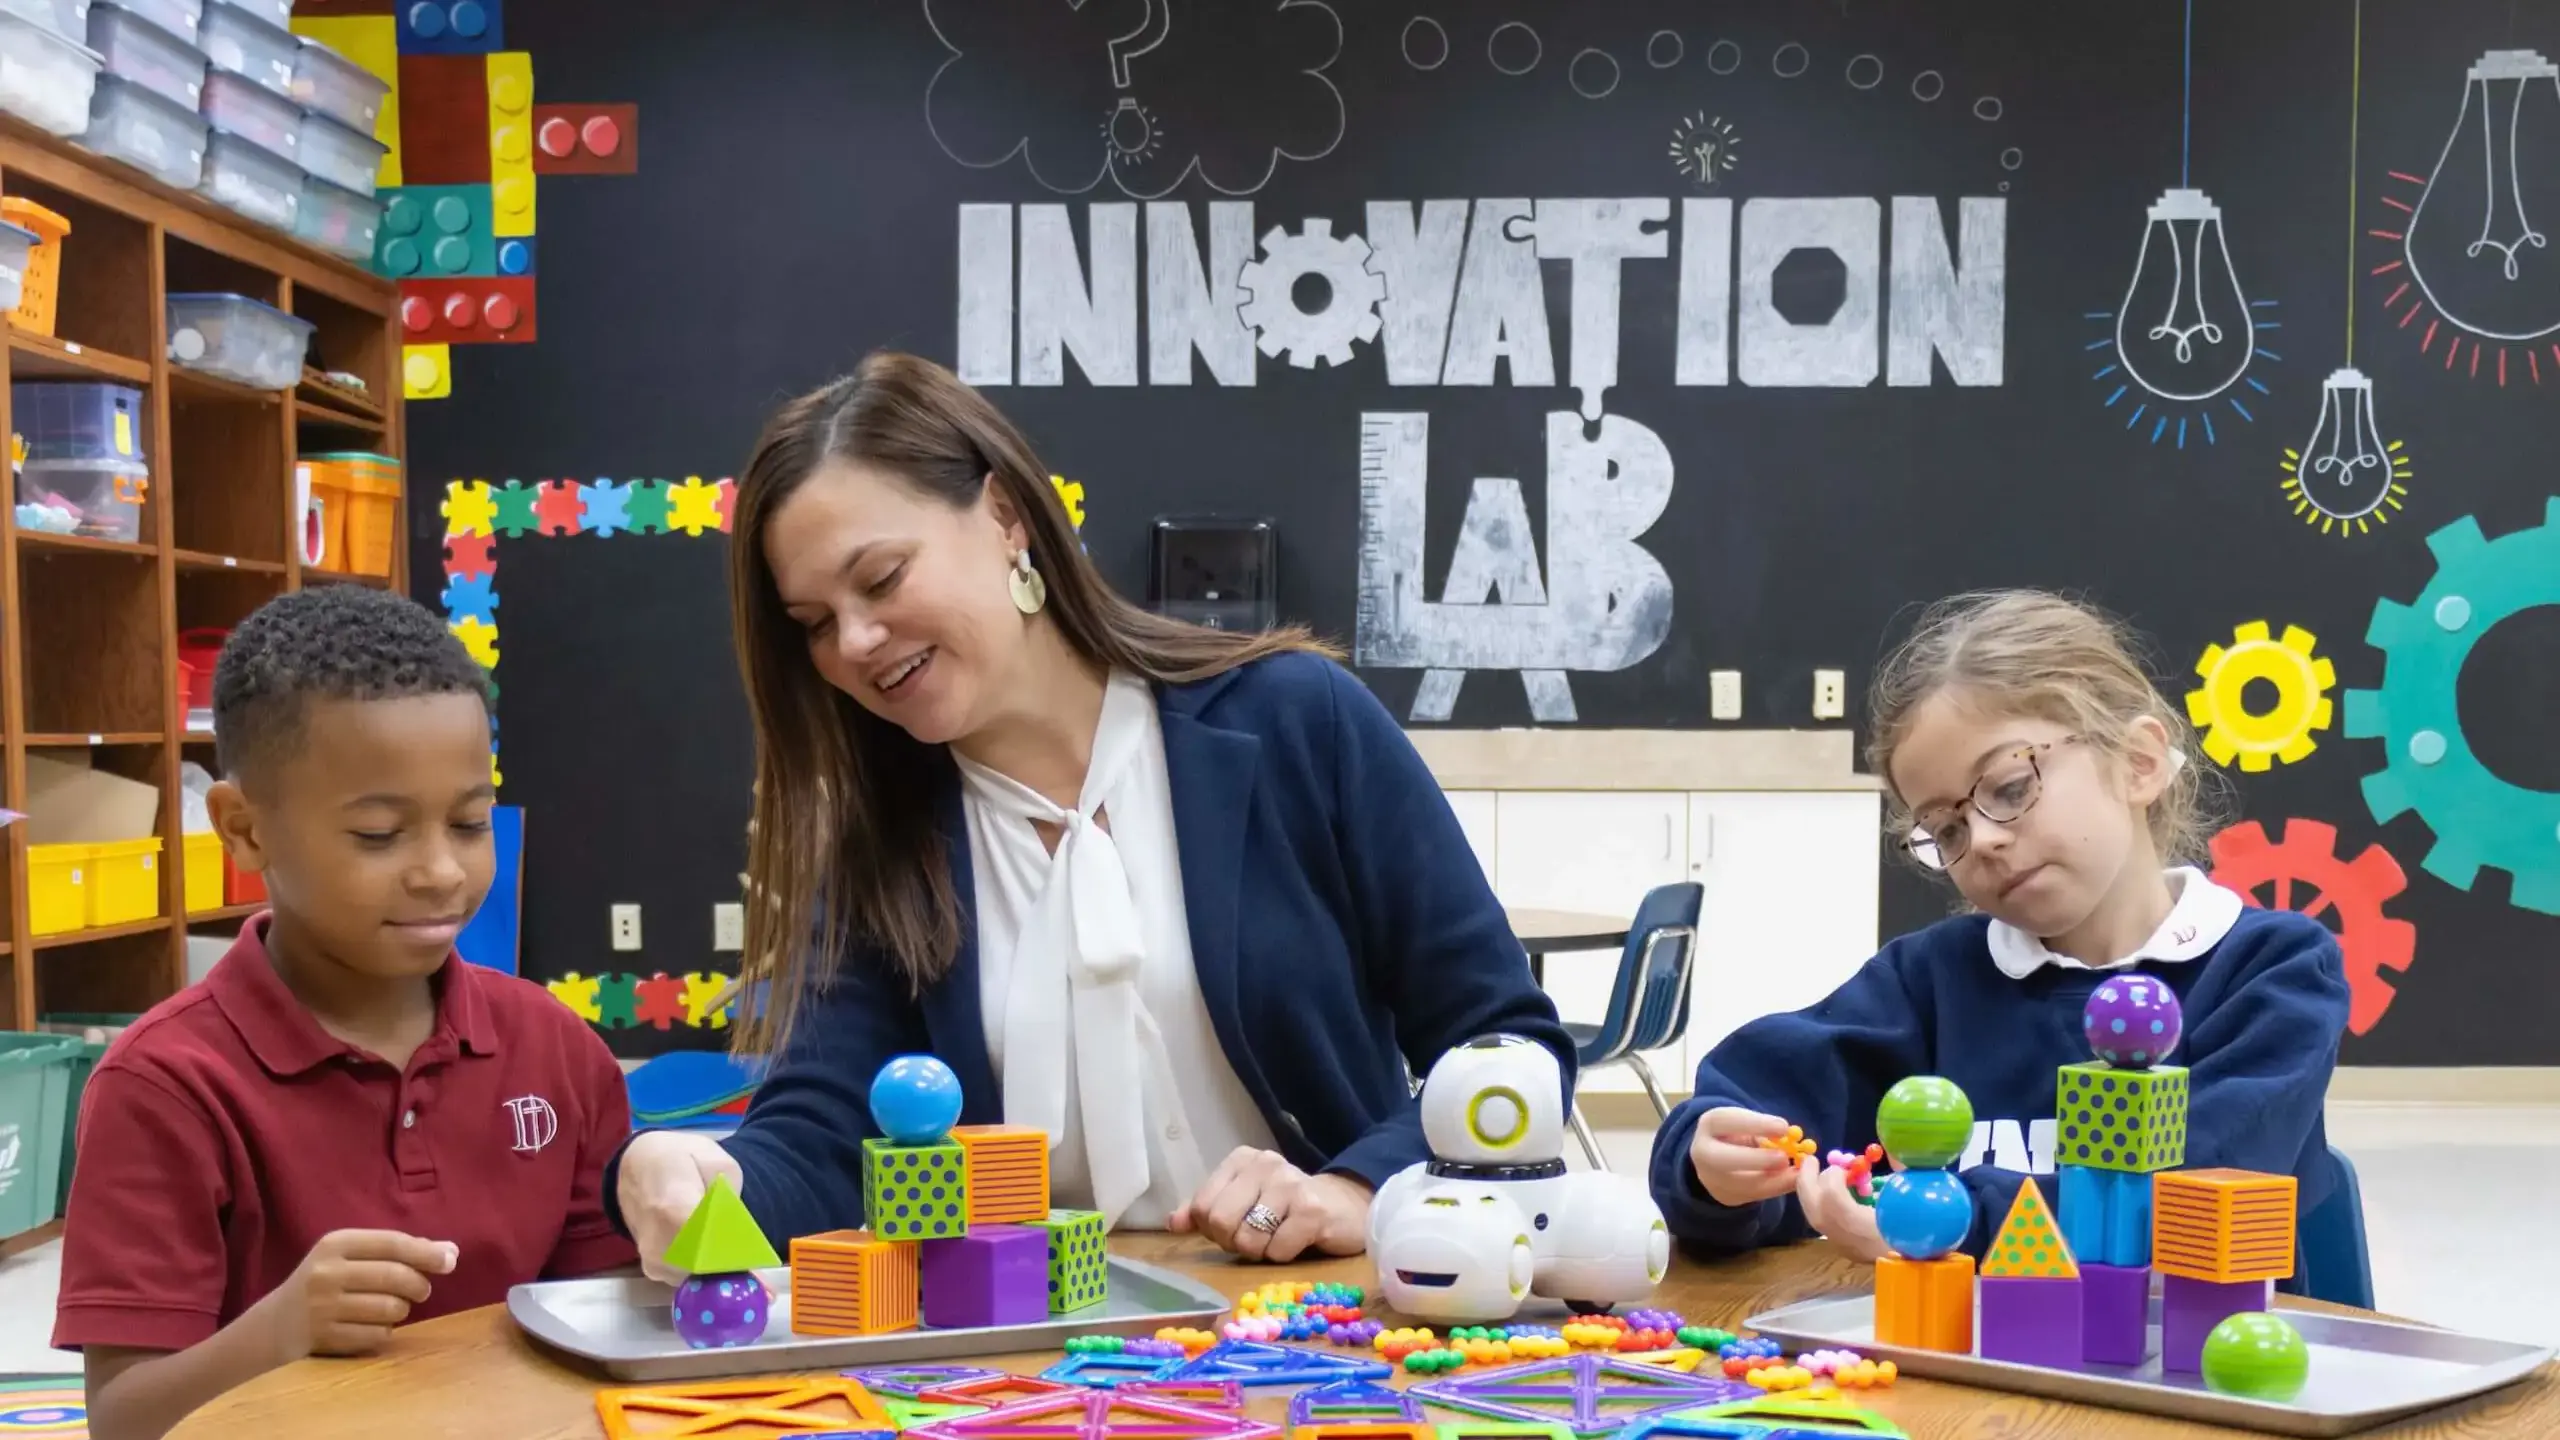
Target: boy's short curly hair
329	642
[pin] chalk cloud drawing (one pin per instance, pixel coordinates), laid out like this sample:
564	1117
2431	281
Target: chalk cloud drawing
1864	72
1703	148
1174	104
1594	74
2471	260
1426	43
1724	57
1513	48
1664	49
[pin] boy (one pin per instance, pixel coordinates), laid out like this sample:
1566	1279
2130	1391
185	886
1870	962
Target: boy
344	1126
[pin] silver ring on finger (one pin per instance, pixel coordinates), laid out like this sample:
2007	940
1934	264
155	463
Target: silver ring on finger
1263	1218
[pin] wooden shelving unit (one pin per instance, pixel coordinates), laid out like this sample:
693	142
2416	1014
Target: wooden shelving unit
89	628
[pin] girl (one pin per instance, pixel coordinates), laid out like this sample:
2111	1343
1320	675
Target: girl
2027	759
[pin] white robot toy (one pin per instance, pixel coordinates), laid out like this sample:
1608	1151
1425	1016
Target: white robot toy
1494	1217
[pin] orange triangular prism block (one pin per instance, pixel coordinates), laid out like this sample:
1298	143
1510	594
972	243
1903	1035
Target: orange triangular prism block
2030	1245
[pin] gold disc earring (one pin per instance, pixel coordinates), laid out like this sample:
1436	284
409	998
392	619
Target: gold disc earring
1030	592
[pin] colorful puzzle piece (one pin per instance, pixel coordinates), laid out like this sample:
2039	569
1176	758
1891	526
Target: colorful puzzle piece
726	504
512	511
2029	1245
466	507
471	596
701	993
604	507
1071	495
694	507
480	638
646	508
659	1001
615	993
466	557
574	990
1593	1394
559	507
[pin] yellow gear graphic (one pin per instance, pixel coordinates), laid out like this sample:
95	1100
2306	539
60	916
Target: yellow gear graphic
2302	680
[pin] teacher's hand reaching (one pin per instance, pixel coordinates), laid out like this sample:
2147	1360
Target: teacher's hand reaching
1264	1208
664	1175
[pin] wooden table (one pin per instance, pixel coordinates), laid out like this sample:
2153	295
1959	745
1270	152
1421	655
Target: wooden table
475	1377
1544	932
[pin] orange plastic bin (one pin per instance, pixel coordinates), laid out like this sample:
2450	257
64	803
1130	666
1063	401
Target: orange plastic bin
359	498
42	288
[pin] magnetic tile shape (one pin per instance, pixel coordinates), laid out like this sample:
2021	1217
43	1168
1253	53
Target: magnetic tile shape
1925	1304
1592	1394
450	27
431	232
1105	1370
473	310
1344	1401
511	175
1364	1430
2110	1119
2106	1215
1823	1416
426	372
908	1380
1683	1359
444	119
734	1407
2189	1309
2223	1225
2029	1245
1256	1363
1502	1430
1224	1395
915	1192
995	1391
1008	1172
2115	1314
1079	1260
371	41
1078	1413
908	1414
586	139
2031	1320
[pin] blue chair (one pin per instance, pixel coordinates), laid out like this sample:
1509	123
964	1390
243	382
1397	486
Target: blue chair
1648	1002
2334	1264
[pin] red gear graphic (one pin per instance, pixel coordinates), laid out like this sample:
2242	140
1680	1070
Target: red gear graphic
2244	859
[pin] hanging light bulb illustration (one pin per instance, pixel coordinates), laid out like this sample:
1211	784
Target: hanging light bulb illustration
2184	329
2475	240
2346	478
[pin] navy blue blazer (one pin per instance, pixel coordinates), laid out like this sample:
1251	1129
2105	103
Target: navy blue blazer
1341	927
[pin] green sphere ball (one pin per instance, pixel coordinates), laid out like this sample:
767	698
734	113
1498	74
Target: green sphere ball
2257	1356
1925	1122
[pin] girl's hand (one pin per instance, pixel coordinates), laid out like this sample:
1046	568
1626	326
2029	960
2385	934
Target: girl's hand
1833	1211
1731	1163
664	1176
1264	1208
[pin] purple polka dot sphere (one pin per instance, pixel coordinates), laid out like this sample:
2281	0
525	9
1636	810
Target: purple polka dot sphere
718	1312
2132	1021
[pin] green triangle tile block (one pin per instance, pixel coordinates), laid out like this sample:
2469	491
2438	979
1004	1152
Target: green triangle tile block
720	1237
908	1414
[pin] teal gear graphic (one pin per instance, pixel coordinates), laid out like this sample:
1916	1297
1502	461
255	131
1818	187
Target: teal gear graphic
2478	818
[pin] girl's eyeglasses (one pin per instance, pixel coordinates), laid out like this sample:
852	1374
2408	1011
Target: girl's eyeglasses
2003	796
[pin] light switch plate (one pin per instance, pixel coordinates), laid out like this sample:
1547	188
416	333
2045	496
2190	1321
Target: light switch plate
1724	694
729	927
626	927
1830	694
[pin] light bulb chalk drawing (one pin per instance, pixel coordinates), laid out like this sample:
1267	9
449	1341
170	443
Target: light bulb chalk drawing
2472	260
1131	128
2186	332
2346	478
1702	148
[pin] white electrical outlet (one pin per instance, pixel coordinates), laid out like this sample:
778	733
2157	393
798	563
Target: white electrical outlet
1724	694
729	926
626	927
1830	694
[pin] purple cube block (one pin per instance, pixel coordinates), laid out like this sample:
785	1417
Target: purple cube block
994	1275
2030	1321
2115	1314
2189	1309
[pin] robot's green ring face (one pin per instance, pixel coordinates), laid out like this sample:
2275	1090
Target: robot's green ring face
1519	1128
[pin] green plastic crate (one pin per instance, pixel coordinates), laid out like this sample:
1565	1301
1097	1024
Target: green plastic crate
36	1073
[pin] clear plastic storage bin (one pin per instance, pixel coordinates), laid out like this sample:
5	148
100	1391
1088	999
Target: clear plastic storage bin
278	13
17	242
148	132
341	222
77	419
182	18
147	55
265	119
66	18
103	497
45	78
336	86
262	185
247	42
348	159
237	338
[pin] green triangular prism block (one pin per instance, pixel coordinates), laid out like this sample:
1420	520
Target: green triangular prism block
720	1237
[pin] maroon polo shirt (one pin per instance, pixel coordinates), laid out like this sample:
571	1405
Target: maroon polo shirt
226	1132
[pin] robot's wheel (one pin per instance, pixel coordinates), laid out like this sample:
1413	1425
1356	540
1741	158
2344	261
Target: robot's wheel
1590	1307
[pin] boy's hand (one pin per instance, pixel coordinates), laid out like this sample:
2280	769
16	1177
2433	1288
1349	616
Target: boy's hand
352	1288
664	1176
1833	1211
1730	1162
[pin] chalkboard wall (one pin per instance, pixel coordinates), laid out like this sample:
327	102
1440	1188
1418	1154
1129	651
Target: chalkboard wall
1651	338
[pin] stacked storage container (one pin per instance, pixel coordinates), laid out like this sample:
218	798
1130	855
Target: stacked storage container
85	473
46	73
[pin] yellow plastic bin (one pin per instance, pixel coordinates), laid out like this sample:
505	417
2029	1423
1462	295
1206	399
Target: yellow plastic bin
203	853
35	1103
39	294
124	881
57	888
358	496
325	522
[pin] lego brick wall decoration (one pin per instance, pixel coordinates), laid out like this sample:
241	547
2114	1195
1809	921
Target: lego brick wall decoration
586	139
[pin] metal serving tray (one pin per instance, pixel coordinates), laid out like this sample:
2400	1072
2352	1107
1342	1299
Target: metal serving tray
2363	1372
622	1325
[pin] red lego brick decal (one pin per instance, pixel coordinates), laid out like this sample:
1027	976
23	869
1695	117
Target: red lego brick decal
586	139
470	310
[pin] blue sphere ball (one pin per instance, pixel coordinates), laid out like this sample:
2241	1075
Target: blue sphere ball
914	1100
1923	1214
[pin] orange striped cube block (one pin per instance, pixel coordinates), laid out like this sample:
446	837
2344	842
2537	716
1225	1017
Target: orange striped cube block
1008	1172
851	1282
2223	1226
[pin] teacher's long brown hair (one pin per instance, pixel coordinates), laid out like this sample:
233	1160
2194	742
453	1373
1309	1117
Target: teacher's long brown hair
845	848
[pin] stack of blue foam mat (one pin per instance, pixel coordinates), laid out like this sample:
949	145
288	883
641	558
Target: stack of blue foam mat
685	1089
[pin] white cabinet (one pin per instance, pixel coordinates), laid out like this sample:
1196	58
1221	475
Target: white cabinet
1790	902
1597	852
1475	812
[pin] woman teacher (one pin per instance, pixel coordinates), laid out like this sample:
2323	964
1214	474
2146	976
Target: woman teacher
1185	899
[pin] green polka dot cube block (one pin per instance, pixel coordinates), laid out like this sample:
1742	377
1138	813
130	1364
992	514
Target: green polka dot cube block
915	1192
1079	1263
2129	1120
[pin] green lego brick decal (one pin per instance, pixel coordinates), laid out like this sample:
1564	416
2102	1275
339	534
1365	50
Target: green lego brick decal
915	1192
435	232
2129	1120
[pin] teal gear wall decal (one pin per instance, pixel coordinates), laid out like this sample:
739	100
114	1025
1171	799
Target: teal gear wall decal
2479	818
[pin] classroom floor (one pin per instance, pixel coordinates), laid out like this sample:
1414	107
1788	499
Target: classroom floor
2450	1196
